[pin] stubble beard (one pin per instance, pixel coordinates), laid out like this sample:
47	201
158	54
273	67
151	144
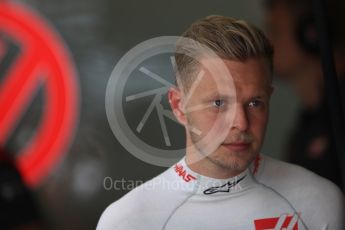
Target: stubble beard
225	160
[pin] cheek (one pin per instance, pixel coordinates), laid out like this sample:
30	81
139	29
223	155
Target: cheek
203	119
258	124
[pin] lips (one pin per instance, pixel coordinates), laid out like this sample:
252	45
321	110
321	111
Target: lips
237	146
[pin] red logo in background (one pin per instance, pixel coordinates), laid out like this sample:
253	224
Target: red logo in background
278	223
42	60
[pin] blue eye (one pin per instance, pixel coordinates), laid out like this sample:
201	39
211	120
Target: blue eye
255	103
218	103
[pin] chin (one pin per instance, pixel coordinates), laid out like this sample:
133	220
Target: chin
232	160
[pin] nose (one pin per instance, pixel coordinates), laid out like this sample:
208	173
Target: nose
240	121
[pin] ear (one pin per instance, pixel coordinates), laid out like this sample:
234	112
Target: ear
175	99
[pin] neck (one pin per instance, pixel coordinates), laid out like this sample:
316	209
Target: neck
206	185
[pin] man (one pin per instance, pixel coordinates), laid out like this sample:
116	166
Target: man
291	28
222	99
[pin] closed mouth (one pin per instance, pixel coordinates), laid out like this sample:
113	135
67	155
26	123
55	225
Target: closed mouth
236	146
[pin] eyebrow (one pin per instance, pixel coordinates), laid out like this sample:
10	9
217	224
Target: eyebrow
258	97
261	94
219	95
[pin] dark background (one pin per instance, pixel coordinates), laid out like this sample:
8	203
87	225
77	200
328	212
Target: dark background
98	34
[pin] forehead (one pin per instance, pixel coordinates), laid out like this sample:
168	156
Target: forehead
252	72
229	78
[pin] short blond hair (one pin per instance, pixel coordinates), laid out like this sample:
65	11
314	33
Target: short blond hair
228	38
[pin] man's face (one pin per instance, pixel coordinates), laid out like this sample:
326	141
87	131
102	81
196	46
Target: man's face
230	122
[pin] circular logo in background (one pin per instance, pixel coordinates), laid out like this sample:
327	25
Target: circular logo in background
128	85
41	59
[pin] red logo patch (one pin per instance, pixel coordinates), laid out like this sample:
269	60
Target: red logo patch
282	222
183	173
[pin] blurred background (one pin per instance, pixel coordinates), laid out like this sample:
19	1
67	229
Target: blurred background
71	187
